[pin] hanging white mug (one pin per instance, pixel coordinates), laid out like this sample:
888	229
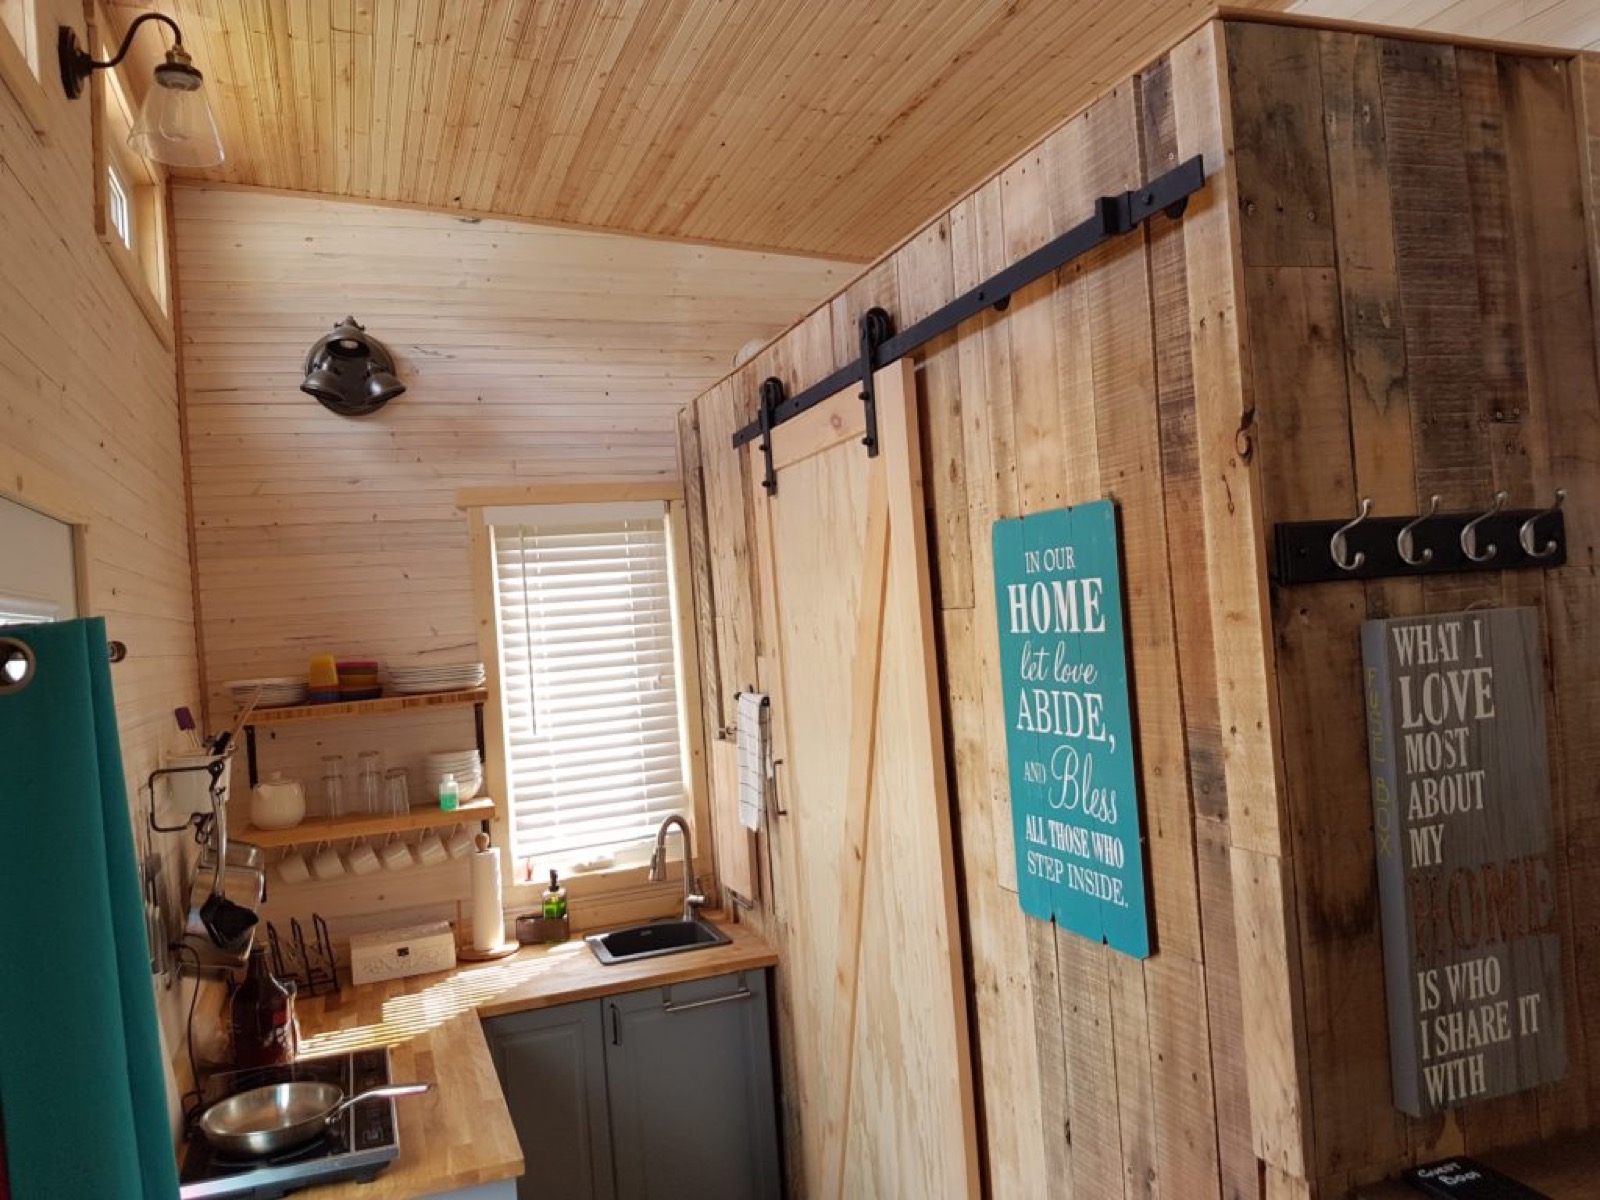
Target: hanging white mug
292	867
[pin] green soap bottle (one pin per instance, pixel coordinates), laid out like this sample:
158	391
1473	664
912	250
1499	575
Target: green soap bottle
555	899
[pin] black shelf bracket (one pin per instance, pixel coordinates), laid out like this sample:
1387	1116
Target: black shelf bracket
1430	543
1113	217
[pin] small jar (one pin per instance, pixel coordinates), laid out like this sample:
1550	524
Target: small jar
277	803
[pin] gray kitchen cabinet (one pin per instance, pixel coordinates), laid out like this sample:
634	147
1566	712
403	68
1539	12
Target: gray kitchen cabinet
551	1063
648	1095
689	1077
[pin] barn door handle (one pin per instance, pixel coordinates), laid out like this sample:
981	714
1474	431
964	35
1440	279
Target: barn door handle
778	810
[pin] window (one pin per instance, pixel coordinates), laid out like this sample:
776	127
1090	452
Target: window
20	60
117	214
590	680
131	214
38	566
17	20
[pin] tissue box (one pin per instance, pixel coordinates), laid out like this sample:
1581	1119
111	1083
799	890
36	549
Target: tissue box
397	953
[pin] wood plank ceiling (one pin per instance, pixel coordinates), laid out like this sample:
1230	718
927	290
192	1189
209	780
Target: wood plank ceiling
1572	24
827	127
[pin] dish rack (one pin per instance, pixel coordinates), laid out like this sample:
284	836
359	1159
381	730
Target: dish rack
310	966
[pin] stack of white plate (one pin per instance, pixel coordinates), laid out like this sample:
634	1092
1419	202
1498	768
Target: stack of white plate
277	692
465	765
452	677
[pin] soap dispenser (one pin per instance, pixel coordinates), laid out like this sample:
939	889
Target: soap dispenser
555	899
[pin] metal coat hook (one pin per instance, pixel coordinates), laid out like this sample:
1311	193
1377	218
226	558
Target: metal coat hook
1404	540
1525	534
1469	533
1338	547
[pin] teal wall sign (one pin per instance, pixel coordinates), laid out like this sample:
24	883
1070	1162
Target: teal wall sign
1069	731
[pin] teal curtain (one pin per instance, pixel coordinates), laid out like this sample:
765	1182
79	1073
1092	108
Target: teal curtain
82	1090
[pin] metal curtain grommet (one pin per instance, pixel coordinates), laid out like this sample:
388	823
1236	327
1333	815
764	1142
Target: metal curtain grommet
17	665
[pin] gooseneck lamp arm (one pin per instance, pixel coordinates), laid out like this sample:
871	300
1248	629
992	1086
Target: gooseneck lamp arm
77	65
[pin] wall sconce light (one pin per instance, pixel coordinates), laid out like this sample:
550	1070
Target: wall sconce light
350	372
175	124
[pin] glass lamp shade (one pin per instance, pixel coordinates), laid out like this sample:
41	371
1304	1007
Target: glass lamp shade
175	124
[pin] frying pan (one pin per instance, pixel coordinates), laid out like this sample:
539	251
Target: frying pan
270	1120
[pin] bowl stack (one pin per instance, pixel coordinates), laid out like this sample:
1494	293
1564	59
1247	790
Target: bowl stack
277	692
465	765
449	677
358	679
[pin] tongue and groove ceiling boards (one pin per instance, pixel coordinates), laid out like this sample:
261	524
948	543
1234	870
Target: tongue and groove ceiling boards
826	127
1570	24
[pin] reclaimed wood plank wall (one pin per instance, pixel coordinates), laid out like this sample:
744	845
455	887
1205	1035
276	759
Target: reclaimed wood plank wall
1420	321
1099	1075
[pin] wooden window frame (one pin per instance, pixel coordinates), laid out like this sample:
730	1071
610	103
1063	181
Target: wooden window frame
22	66
617	895
23	481
144	265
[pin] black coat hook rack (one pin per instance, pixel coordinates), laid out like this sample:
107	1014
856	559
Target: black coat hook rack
1494	538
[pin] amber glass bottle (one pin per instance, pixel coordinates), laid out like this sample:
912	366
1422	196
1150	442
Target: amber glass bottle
263	1017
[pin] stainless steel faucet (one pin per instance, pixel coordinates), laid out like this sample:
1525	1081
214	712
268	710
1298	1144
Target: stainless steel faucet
692	899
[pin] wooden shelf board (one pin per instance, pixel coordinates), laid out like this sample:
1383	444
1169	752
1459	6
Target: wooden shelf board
366	708
335	829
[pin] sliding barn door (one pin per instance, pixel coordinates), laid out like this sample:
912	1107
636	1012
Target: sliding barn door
862	855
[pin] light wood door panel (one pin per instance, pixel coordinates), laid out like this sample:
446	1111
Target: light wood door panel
863	859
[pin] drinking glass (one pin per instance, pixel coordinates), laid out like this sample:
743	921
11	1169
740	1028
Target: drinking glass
371	782
398	790
333	784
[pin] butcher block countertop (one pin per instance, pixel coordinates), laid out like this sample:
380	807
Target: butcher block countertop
459	1135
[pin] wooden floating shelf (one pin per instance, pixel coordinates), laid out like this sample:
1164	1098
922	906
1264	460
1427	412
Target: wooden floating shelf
336	829
367	708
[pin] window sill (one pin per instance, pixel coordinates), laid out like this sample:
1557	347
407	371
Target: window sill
613	897
127	267
18	76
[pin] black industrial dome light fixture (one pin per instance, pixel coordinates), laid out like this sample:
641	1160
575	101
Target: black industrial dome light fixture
351	372
175	124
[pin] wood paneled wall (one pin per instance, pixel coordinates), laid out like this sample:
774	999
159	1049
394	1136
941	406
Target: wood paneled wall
1420	322
89	404
1099	1075
530	355
1383	291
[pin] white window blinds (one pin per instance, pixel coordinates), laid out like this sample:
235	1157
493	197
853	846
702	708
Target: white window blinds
594	751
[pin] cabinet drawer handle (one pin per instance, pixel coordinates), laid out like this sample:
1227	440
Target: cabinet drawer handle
743	993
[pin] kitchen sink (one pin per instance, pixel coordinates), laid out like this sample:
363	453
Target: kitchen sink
654	939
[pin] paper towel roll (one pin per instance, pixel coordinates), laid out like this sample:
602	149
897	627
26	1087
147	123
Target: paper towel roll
488	919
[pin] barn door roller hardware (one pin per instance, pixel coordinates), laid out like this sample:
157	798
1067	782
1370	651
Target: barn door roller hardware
880	345
1433	543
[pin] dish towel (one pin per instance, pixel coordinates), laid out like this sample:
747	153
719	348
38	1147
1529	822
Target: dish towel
80	1053
755	757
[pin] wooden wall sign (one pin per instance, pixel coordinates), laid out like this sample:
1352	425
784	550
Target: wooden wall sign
1069	732
1461	813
